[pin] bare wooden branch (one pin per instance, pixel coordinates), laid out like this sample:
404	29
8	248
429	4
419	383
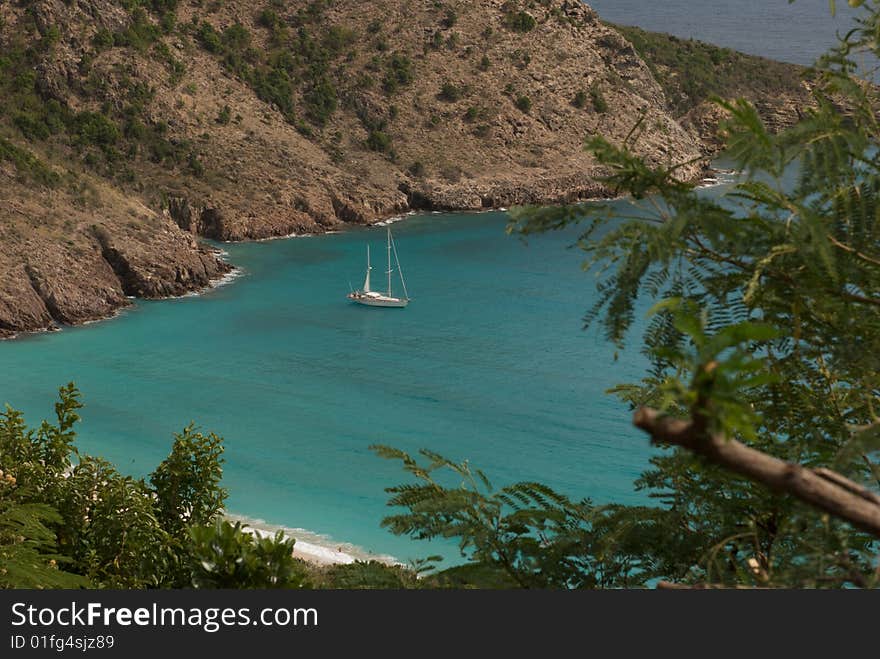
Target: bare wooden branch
835	494
847	484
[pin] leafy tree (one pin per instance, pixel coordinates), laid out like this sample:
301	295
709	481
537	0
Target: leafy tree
791	246
187	482
226	556
68	520
29	555
526	531
110	528
763	342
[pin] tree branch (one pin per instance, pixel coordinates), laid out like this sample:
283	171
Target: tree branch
821	488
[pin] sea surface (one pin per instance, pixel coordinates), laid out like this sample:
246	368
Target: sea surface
489	363
797	32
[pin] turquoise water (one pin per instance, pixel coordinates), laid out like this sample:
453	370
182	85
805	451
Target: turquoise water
488	363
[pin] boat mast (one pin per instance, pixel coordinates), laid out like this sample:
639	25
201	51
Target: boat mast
389	262
367	278
399	269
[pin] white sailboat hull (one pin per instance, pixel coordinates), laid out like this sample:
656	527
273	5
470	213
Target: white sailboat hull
377	300
371	298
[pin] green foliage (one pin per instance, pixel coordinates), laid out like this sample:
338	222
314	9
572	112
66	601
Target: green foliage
520	21
765	329
269	19
110	528
224	116
321	101
580	99
235	38
226	556
95	129
368	575
28	548
139	34
106	529
378	140
450	18
28	166
450	93
103	39
337	39
524	533
114	124
523	103
399	71
293	63
210	38
187	482
597	98
32	465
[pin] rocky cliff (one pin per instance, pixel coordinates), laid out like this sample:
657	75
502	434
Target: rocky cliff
129	127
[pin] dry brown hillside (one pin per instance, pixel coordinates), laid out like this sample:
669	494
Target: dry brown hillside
127	126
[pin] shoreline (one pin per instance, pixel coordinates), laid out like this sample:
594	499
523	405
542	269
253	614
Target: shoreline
311	547
709	177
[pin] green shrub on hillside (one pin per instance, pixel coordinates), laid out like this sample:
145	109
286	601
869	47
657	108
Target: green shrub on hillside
597	98
520	21
210	38
450	93
399	71
29	167
379	141
321	101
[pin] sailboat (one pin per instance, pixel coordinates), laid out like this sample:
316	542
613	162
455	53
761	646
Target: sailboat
373	298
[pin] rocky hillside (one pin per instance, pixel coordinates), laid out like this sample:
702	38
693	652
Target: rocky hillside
692	72
129	127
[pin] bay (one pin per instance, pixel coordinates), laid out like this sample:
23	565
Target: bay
489	363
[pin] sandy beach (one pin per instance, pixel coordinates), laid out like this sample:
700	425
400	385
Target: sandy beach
311	547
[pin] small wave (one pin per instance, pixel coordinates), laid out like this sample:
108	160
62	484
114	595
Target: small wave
284	237
392	220
228	278
719	177
311	546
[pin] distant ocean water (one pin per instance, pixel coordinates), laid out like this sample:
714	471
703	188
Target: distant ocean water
796	32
